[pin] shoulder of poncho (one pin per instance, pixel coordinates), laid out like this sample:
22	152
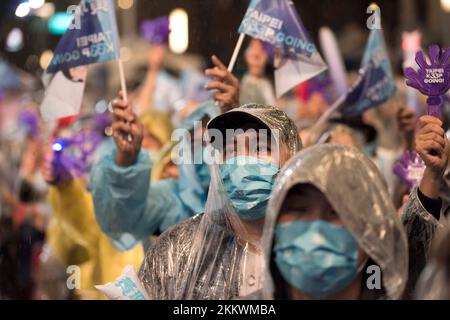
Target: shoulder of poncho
181	227
179	235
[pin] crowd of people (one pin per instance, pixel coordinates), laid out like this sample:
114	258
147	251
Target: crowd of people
280	215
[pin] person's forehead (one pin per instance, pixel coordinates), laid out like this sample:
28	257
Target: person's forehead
251	133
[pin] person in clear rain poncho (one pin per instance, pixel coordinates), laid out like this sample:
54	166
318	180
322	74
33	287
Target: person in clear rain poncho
331	230
217	254
129	208
424	213
434	282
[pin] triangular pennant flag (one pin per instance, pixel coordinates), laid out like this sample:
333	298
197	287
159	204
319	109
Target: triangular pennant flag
63	93
91	37
375	84
296	56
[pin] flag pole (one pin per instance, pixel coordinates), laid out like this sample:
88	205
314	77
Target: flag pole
123	87
237	48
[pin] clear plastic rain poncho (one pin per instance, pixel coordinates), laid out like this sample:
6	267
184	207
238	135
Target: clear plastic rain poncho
207	256
434	282
356	190
421	228
129	207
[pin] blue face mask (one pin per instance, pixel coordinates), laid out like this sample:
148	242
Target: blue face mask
316	257
248	182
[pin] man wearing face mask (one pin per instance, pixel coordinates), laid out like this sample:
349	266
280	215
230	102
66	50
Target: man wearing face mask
217	254
128	207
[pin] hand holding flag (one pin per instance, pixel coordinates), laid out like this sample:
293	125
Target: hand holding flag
226	84
127	132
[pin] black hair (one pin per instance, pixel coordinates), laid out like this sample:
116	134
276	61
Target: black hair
66	73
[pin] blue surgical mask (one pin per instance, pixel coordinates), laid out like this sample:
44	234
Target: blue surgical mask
248	182
316	257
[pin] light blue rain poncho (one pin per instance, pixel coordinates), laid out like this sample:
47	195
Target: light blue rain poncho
129	208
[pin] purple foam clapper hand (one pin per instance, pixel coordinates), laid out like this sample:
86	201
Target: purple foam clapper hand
409	168
431	79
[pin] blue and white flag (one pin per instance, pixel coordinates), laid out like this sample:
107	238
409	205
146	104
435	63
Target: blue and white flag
91	37
296	57
375	84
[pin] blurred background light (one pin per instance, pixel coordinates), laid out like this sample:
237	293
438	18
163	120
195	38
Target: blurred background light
125	4
45	58
46	11
59	22
179	34
101	106
14	40
22	10
445	4
32	62
57	146
36	4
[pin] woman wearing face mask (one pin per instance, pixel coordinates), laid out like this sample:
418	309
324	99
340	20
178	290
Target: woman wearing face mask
331	231
128	206
217	254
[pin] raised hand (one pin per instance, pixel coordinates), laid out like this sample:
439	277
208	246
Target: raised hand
433	147
431	137
127	132
225	84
